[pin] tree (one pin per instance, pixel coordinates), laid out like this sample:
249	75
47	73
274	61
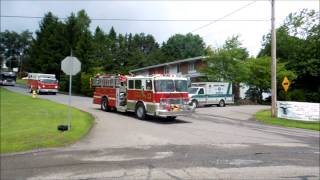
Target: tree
49	47
228	64
259	68
13	47
183	46
298	46
83	45
101	44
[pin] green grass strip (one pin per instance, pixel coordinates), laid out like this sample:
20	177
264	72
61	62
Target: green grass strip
265	116
21	81
31	123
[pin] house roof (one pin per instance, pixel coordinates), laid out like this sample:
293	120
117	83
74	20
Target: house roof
169	63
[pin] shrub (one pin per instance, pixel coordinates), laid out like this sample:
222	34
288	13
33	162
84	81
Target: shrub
85	84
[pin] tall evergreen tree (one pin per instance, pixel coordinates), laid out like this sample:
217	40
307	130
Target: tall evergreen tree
48	48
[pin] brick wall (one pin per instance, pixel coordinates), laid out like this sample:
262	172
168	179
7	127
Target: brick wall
199	65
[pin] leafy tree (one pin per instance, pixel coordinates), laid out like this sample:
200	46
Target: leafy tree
183	46
13	47
227	64
260	69
298	46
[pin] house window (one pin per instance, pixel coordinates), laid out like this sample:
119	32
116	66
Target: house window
178	68
166	70
191	67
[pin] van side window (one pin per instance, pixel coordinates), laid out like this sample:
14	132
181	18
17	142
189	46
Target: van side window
137	84
201	91
148	85
130	84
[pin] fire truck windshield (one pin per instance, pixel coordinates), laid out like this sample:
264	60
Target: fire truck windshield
49	81
171	85
181	85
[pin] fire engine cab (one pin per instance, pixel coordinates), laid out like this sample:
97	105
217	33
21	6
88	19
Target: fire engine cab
155	95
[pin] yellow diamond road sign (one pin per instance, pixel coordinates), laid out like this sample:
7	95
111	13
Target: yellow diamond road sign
285	83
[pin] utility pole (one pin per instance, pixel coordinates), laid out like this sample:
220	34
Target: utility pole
273	64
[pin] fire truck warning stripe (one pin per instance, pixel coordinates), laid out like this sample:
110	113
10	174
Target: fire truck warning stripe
99	97
147	103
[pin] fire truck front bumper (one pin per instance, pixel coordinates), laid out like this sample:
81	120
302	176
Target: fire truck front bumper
184	112
48	90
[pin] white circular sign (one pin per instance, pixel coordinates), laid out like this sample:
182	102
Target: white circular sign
70	65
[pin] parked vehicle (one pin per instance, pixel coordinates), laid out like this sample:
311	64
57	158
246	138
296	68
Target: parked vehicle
42	83
210	93
155	95
8	78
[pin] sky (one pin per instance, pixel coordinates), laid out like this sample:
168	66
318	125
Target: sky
215	34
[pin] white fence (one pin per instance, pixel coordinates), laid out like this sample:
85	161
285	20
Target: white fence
299	110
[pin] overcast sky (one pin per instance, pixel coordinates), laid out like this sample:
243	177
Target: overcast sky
250	32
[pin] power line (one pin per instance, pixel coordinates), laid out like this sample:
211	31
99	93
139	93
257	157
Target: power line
141	20
221	19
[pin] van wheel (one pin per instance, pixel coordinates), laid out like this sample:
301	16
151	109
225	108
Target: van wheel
140	111
104	105
221	103
194	103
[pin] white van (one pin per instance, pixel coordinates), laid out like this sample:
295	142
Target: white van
210	93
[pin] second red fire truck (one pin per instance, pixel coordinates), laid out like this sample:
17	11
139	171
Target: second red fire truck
155	95
42	83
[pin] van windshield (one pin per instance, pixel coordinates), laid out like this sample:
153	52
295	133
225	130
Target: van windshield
192	90
170	85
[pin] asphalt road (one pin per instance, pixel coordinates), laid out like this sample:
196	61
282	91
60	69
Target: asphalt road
214	143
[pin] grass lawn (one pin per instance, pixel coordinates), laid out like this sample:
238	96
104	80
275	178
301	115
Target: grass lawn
21	81
265	116
28	123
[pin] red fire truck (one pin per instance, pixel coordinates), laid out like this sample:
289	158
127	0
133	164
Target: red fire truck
155	95
42	83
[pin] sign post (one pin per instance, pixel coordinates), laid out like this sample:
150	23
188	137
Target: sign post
71	66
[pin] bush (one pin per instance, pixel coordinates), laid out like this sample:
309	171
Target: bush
85	84
64	83
313	97
297	95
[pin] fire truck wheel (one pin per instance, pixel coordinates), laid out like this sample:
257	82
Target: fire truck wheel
140	111
221	103
104	104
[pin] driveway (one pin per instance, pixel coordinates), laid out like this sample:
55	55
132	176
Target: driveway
213	143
